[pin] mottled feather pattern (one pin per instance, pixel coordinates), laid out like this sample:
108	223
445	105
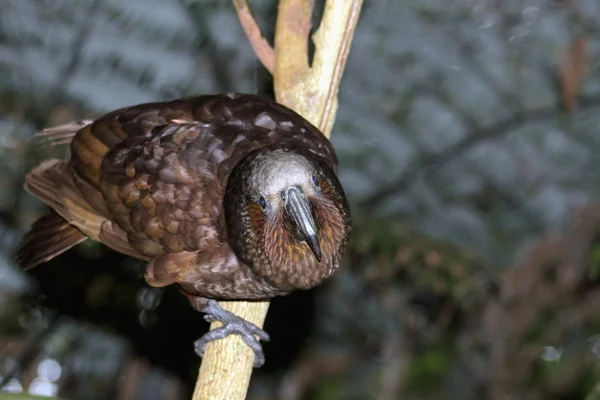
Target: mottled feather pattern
171	169
229	197
153	178
51	181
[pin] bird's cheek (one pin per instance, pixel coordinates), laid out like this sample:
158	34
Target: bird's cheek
331	226
257	218
325	188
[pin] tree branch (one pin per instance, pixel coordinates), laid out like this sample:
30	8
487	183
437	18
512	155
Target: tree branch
227	363
262	48
291	48
312	91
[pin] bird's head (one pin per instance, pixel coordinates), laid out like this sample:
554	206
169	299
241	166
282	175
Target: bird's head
287	216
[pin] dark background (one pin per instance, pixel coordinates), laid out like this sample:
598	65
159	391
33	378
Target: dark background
468	135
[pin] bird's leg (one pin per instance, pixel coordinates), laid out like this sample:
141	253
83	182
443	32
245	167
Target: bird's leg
232	324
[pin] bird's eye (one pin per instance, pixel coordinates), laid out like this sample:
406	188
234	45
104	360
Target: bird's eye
315	180
262	202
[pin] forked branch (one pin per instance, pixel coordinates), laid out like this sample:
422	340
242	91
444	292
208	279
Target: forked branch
312	90
262	48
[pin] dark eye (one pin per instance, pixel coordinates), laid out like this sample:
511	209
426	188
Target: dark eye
315	180
262	202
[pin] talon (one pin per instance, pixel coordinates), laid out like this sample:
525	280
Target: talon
232	324
199	347
209	318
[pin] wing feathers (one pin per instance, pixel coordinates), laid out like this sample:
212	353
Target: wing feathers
62	134
39	183
115	238
52	182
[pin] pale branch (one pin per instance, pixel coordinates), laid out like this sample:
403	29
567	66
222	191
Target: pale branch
292	31
227	363
312	90
340	18
262	48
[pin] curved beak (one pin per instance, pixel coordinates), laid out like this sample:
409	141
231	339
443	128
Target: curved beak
298	210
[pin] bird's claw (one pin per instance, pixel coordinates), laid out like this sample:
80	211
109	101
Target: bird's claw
209	318
232	324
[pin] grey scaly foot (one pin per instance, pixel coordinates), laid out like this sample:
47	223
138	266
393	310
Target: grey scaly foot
232	324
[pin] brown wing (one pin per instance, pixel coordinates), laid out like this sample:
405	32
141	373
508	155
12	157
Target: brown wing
62	134
162	167
51	181
163	191
148	180
72	221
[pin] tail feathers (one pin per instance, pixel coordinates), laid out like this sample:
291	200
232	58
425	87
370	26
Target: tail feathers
52	182
49	236
62	134
39	182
